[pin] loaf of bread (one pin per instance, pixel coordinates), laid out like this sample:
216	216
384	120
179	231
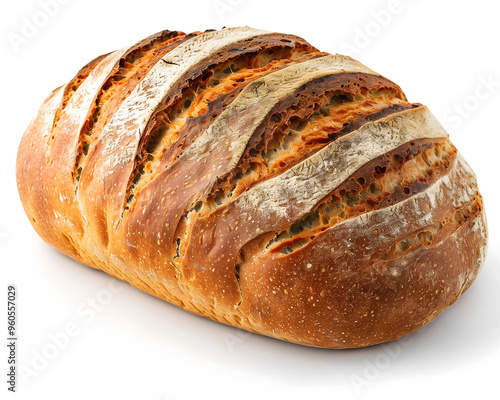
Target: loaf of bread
247	177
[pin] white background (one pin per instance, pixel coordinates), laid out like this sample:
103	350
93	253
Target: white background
442	53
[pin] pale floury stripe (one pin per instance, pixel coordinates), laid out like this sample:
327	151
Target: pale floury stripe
123	132
88	91
482	225
236	125
292	194
408	214
78	108
45	118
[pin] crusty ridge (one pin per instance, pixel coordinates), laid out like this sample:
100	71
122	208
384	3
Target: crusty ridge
72	87
385	180
178	125
208	165
120	139
127	73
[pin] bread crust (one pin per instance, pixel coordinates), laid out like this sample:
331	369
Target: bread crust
299	196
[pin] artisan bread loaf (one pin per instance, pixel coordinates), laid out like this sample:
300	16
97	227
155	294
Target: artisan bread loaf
247	177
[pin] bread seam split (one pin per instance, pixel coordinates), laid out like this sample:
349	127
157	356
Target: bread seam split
432	194
361	146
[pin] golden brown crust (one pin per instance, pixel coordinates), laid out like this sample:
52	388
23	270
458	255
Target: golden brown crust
247	177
